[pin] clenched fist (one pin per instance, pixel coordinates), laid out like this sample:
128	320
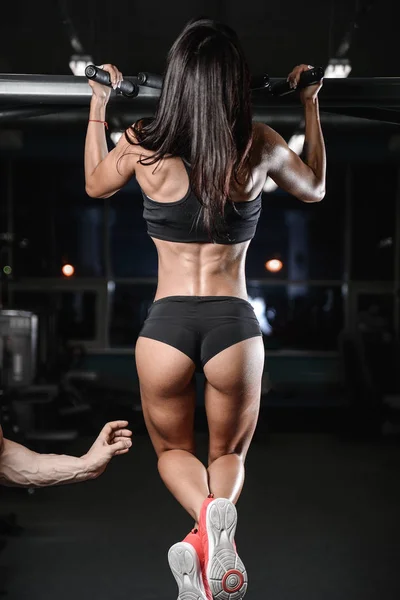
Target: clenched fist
114	439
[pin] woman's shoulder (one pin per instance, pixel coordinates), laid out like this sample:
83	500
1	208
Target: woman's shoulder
266	140
262	142
264	134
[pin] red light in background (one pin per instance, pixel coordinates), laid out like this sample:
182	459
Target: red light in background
274	265
68	270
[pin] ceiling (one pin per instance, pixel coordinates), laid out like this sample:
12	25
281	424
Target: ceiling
136	35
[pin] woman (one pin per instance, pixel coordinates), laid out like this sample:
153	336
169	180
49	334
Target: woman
202	166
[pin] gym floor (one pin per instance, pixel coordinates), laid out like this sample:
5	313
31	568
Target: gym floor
318	519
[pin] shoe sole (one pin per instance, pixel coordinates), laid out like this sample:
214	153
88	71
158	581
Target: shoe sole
185	566
226	573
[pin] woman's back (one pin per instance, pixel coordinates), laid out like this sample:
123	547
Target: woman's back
192	267
167	180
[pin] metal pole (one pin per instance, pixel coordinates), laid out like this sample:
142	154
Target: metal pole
363	92
55	89
26	112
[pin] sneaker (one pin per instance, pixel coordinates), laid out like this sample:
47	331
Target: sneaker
225	572
186	568
194	538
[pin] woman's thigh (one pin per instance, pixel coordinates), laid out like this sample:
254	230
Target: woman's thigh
232	396
166	377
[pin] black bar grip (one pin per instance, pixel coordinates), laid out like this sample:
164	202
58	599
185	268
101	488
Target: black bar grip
155	81
310	77
260	82
127	88
150	80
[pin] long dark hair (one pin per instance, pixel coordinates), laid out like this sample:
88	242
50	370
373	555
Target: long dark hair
204	113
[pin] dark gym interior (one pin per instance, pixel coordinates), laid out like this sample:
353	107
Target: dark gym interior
319	514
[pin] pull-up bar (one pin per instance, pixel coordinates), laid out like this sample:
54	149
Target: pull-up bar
375	98
131	89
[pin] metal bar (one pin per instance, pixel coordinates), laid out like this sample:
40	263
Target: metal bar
252	281
336	93
383	115
24	112
50	284
78	283
55	89
342	93
70	116
372	287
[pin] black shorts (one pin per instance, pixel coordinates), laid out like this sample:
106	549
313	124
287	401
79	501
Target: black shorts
201	326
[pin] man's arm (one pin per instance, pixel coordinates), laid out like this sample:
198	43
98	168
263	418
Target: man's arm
22	467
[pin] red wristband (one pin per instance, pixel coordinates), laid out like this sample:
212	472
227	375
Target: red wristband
97	121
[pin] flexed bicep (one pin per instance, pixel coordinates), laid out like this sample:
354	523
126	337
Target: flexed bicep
113	172
289	172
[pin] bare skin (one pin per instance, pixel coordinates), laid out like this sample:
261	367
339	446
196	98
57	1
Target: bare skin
233	377
21	467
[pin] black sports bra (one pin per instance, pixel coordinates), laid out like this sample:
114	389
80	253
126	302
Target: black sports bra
179	221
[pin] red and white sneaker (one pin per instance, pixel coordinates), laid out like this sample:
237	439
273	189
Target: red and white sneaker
225	572
185	561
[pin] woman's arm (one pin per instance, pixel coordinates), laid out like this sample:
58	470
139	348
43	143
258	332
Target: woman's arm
23	468
105	172
305	180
